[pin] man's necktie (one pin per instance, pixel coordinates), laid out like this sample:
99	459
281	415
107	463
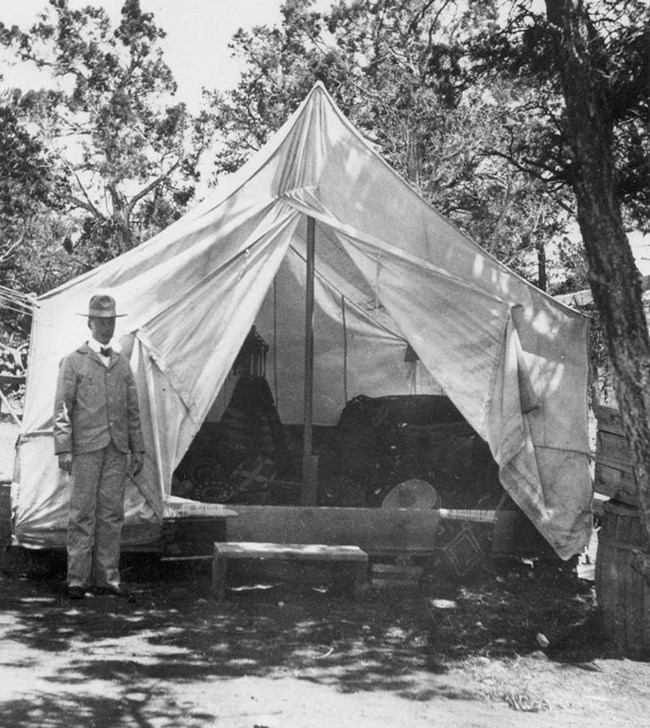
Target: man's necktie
106	351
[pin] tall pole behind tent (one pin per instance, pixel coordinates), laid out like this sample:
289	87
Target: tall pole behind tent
308	493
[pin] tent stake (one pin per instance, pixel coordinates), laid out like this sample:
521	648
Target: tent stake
308	493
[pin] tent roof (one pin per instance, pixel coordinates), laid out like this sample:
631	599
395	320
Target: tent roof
390	271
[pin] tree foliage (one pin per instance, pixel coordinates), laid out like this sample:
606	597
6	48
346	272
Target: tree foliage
120	143
522	47
25	202
24	186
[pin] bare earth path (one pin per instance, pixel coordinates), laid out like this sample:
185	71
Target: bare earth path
295	655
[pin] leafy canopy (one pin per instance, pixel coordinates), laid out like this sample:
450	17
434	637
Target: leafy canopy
121	143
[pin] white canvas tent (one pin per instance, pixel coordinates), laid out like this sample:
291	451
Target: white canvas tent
389	271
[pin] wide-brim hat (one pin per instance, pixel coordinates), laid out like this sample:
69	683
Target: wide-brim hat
102	306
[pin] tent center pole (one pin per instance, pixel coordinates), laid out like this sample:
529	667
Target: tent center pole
309	489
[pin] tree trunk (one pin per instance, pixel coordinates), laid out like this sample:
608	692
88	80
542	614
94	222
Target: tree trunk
542	278
614	279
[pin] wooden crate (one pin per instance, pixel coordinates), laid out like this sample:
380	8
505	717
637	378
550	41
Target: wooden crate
339	556
613	475
374	530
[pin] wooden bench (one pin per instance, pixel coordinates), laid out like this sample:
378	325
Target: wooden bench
351	556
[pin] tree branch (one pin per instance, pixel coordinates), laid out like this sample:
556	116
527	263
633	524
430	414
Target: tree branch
88	204
6	254
152	185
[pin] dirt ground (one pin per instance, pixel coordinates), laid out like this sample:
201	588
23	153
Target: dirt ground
513	644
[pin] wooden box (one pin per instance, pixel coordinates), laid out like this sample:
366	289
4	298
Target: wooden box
613	475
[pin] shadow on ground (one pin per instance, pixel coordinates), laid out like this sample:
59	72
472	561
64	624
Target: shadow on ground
394	640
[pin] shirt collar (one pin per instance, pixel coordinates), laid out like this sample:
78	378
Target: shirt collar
96	346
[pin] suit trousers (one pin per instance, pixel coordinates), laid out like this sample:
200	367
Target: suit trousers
96	517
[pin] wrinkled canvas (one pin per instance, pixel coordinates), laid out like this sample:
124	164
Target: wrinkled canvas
390	272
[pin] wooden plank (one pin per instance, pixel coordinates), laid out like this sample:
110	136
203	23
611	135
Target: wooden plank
261	550
181	508
615	483
625	469
613	447
341	555
609	419
287	551
613	473
204	557
374	530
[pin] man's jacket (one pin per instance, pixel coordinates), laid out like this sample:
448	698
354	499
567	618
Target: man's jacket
95	404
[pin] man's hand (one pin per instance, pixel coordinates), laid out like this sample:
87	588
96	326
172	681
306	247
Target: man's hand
137	461
65	462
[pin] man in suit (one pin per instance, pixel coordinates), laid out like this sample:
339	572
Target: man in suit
96	432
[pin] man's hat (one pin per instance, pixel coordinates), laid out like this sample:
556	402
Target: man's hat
102	306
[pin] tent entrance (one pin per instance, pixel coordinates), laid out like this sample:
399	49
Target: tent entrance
250	457
245	454
251	463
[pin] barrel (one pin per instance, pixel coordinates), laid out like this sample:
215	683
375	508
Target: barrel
622	594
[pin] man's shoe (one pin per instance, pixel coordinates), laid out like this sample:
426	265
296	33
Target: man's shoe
76	592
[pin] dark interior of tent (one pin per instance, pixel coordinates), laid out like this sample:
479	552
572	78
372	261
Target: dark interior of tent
397	451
